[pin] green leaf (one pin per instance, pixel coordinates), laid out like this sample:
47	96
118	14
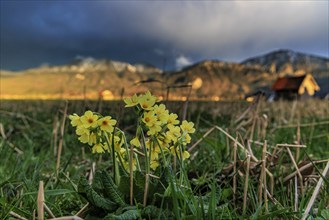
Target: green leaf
94	198
153	212
53	192
111	189
127	215
325	213
124	188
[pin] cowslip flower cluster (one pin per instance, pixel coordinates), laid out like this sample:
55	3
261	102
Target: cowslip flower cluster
159	135
94	130
164	131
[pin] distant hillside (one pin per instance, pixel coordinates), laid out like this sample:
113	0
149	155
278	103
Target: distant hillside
79	79
216	80
287	61
221	80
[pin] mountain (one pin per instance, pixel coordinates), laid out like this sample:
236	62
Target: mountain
210	79
77	80
289	62
221	80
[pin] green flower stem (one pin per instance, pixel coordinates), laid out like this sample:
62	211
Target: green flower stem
147	167
128	150
116	175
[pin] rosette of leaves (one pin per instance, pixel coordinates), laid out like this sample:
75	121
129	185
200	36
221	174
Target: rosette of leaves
109	201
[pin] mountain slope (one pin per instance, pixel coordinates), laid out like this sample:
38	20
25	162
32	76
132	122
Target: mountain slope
287	61
216	80
84	78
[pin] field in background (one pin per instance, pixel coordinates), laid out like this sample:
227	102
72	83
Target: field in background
31	133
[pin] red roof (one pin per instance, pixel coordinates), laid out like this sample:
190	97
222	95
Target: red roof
288	83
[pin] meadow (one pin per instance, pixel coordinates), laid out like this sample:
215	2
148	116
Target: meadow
243	160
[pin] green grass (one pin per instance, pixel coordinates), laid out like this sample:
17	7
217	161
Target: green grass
28	126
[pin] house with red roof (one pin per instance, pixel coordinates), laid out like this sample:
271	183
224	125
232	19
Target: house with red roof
292	87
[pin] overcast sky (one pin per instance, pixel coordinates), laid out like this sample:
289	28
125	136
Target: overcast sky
161	33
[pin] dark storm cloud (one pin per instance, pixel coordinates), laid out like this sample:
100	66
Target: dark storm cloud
36	32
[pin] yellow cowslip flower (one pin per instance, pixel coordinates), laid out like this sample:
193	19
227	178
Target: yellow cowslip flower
175	151
149	118
125	161
163	141
84	134
148	96
155	153
75	120
154	164
98	148
147	143
92	139
173	133
187	139
132	101
185	154
155	128
165	144
84	138
135	141
188	127
172	119
145	103
106	124
82	130
89	119
118	142
161	113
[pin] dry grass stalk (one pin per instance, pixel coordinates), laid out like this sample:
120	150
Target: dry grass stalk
67	218
301	169
316	191
298	142
55	134
146	189
255	118
154	176
301	125
15	148
40	201
291	145
252	156
15	215
296	194
80	213
249	148
140	153
297	169
241	146
271	180
265	124
245	191
262	178
227	144
293	110
60	144
2	131
50	213
92	172
234	169
131	157
33	214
